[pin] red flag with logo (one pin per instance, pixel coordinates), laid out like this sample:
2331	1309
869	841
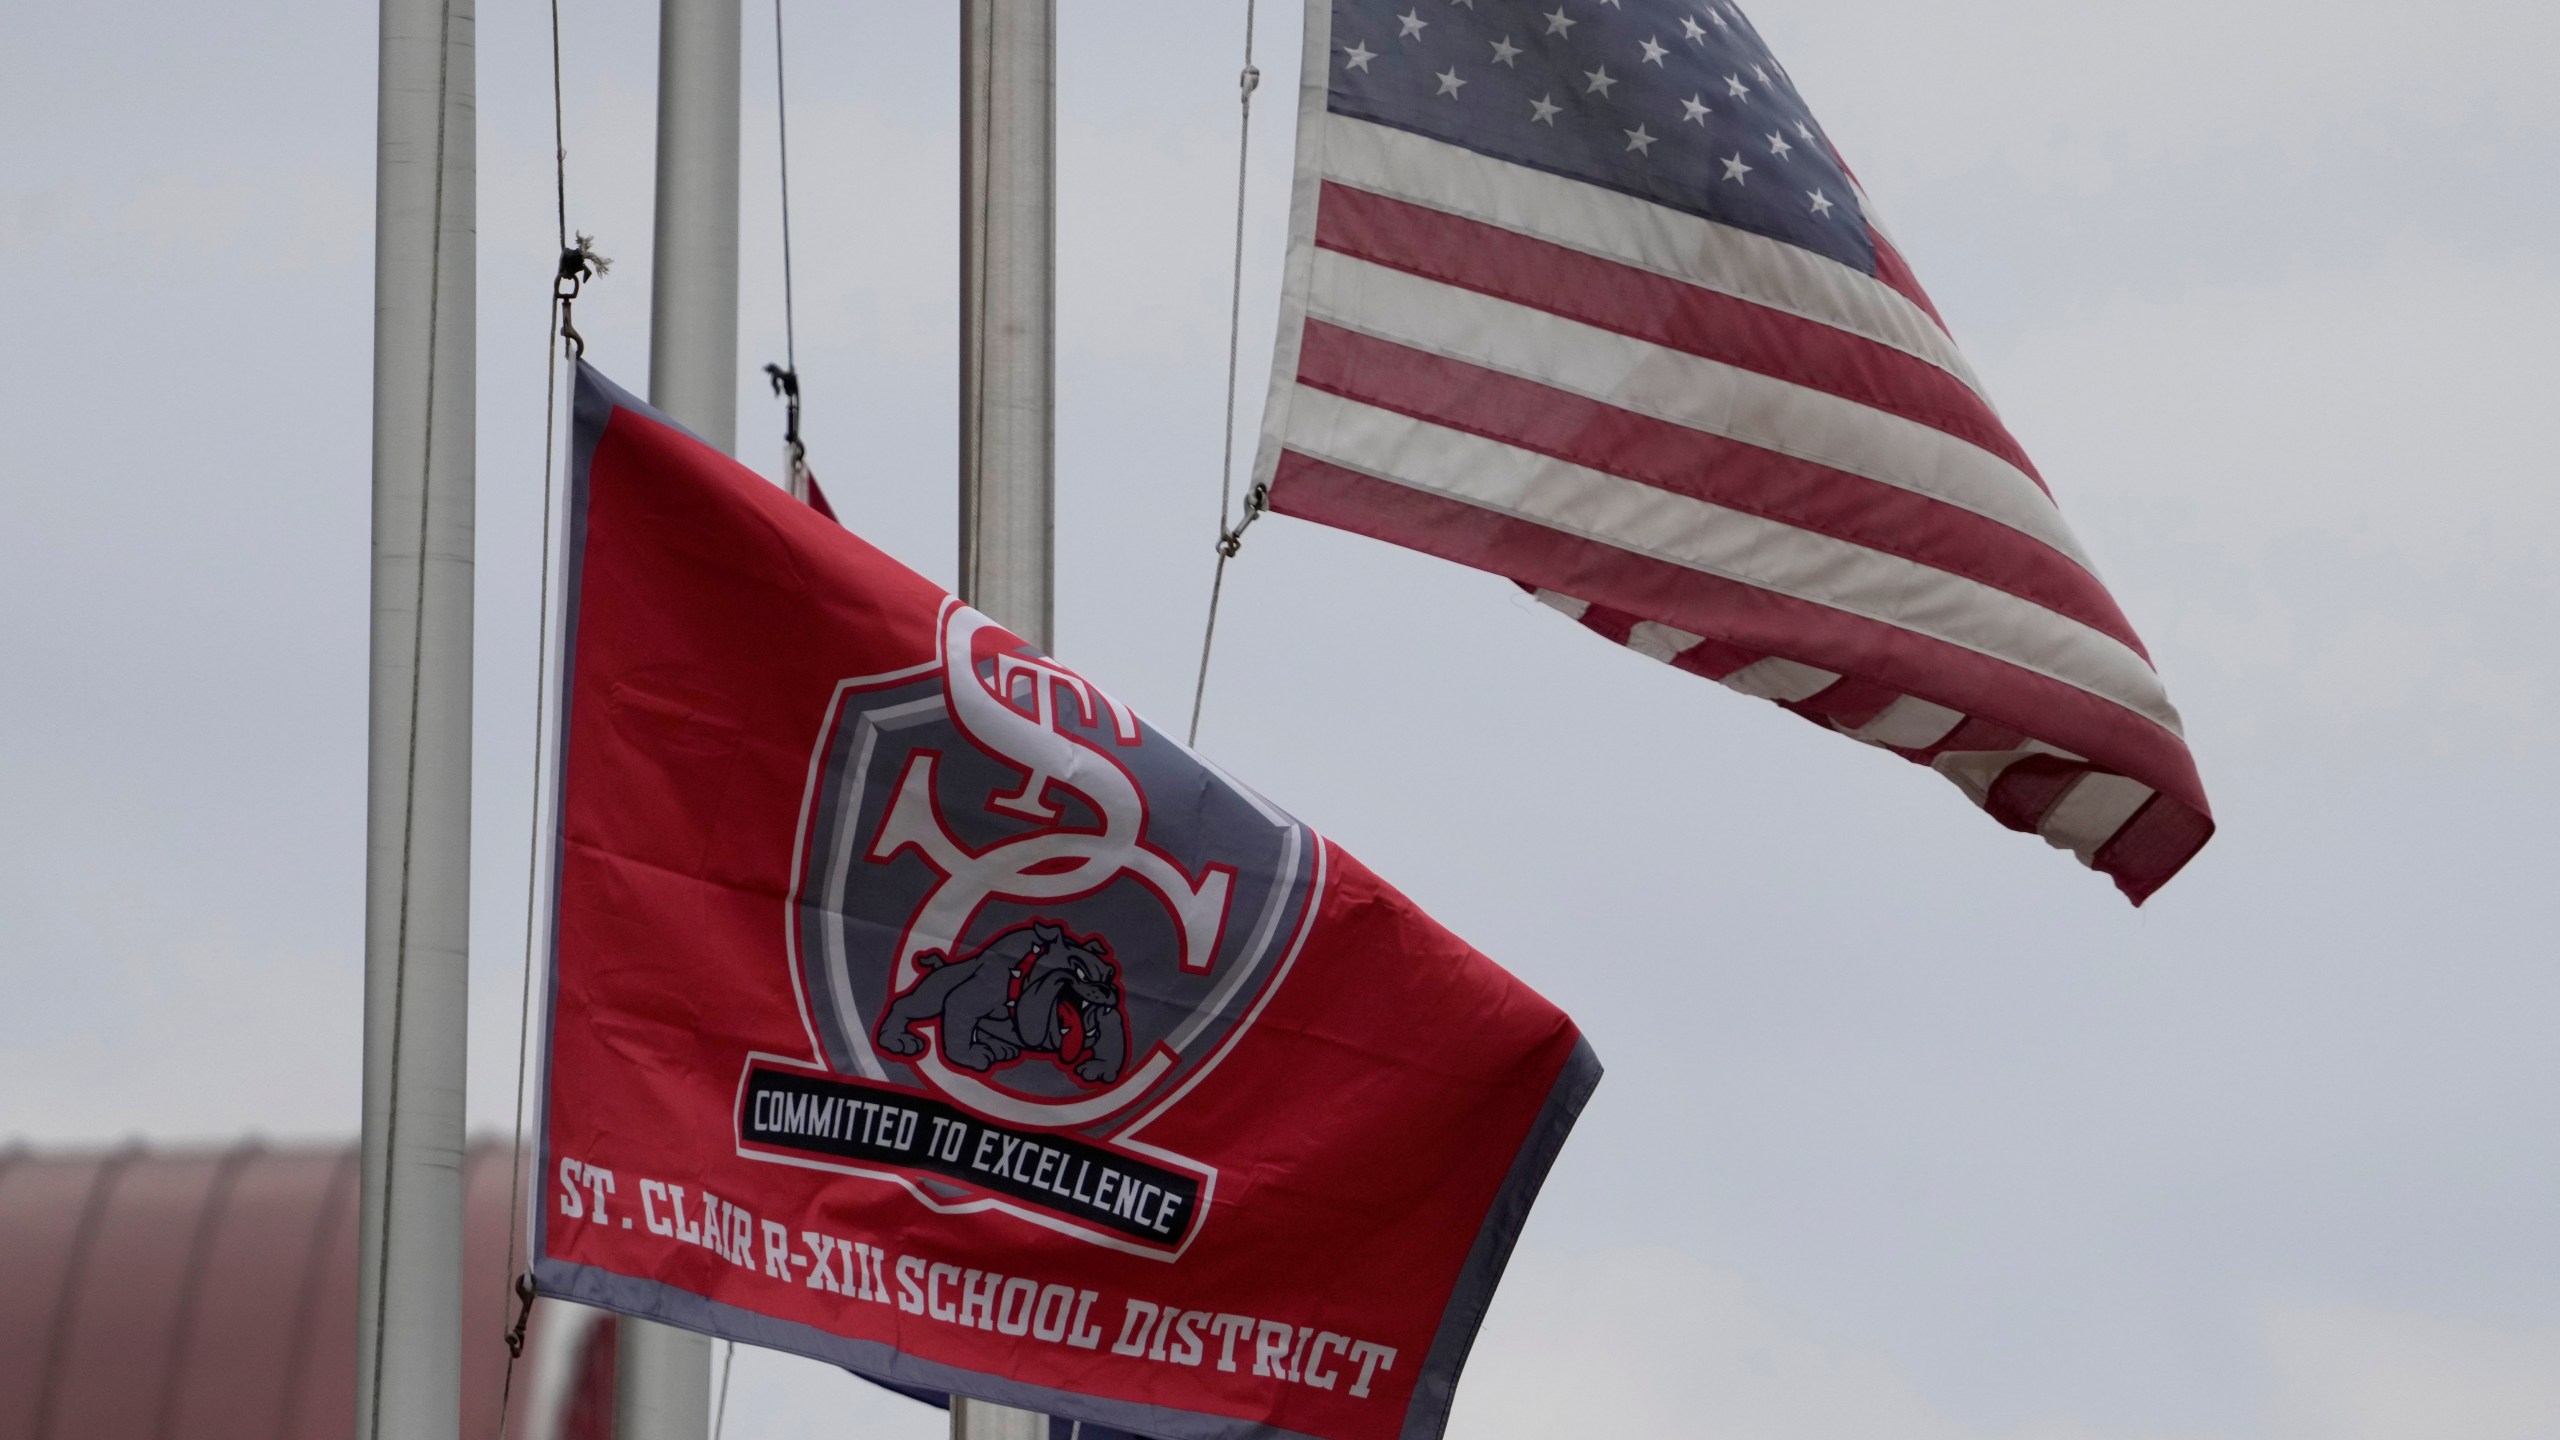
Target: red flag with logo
918	1007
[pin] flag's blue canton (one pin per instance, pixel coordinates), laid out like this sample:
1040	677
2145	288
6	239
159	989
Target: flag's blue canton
1679	104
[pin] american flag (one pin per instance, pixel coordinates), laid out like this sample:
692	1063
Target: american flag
1579	293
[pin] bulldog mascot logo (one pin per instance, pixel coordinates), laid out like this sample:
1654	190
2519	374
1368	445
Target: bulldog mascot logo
1032	989
1018	898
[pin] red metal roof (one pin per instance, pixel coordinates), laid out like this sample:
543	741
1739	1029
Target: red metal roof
210	1294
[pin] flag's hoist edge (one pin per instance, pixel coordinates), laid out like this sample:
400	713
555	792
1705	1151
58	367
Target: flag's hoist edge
2066	734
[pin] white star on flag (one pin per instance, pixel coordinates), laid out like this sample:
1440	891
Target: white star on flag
1638	139
1449	81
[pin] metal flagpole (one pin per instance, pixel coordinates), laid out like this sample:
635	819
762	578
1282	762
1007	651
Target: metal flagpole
662	1375
1008	361
418	782
1008	309
693	282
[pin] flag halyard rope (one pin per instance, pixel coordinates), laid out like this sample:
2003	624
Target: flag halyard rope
786	376
578	264
720	1411
1231	534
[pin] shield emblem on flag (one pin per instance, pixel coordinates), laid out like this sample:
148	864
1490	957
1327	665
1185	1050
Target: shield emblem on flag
1018	895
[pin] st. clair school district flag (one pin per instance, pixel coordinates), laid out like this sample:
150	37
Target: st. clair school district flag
918	1007
1579	293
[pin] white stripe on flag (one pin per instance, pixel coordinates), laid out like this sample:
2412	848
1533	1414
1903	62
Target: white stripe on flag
1910	723
1712	539
2091	812
1974	771
1661	642
1406	166
1564	604
1777	679
1683	389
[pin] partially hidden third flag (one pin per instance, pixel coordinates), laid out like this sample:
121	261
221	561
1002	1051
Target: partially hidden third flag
1579	293
918	1007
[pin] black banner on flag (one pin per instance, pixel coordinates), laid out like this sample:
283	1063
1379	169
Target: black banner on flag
845	1120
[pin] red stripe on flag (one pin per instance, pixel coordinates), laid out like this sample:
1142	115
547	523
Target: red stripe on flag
1707	467
1711	658
1974	735
1511	266
1848	704
1613	626
1715	659
2153	847
1741	615
1894	273
2029	788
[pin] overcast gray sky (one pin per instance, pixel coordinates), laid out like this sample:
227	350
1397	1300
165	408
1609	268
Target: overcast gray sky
1912	1128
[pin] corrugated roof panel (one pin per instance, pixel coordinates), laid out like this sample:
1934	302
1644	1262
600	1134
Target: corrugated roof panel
205	1294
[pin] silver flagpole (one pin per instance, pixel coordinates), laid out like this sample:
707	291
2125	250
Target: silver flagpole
1008	362
662	1375
693	280
418	783
1008	309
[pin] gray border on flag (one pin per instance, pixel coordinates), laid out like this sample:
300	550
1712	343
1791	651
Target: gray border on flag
1436	1388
